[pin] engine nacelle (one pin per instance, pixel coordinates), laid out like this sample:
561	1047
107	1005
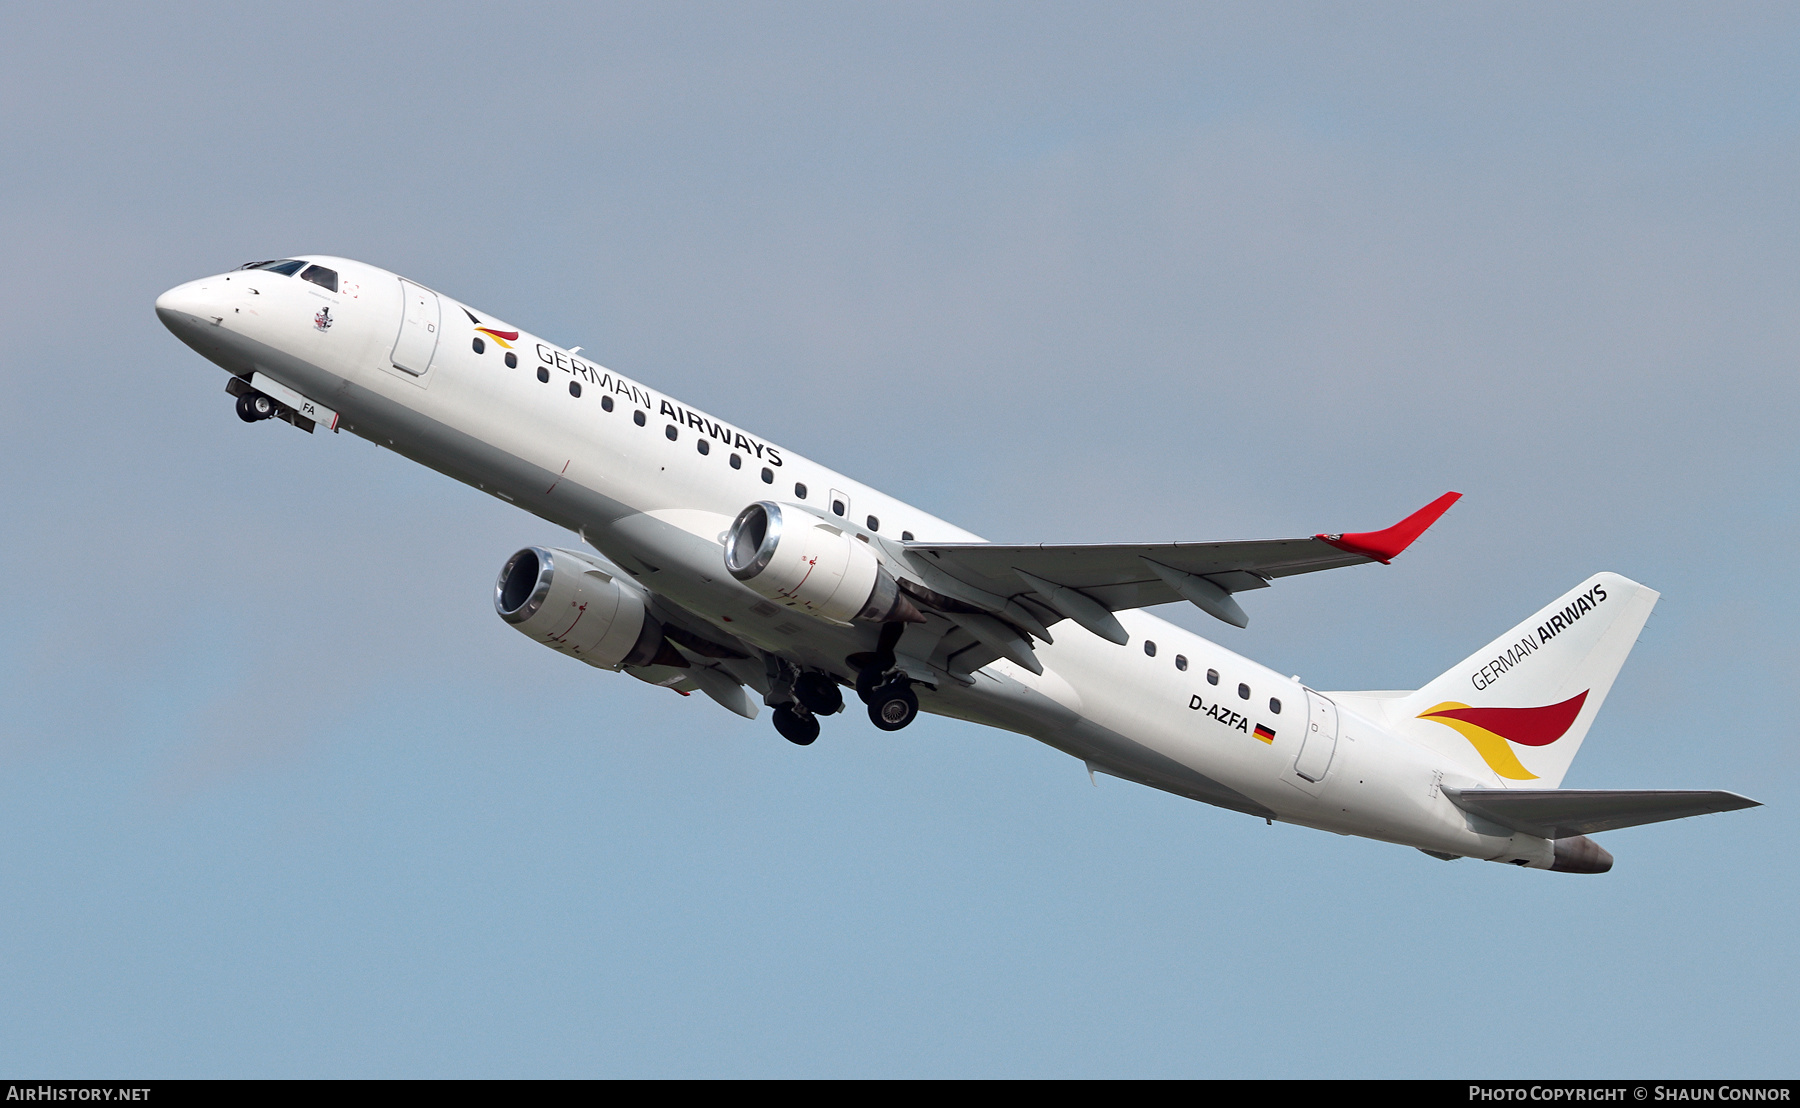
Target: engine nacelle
810	564
572	604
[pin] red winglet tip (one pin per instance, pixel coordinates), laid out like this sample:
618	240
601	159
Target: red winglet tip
1385	545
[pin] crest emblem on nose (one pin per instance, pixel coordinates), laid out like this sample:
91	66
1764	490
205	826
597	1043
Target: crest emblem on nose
323	320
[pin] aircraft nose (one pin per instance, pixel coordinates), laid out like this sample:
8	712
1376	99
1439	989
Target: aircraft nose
184	304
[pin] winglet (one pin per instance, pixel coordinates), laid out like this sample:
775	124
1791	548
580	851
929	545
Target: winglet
1384	546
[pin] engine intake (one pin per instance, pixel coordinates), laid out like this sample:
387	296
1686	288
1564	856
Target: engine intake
807	563
573	605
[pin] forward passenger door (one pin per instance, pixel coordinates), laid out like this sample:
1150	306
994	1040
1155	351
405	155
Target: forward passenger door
419	322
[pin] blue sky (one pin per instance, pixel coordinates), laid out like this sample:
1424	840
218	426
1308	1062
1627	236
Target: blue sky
279	795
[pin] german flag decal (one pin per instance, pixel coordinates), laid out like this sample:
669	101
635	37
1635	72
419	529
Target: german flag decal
1490	730
1265	734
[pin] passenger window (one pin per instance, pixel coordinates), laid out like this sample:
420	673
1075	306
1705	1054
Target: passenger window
512	360
1212	676
543	375
837	507
606	403
874	524
320	276
1243	692
637	418
906	536
1274	706
1150	648
768	476
1181	662
737	462
574	388
800	490
671	432
480	347
703	445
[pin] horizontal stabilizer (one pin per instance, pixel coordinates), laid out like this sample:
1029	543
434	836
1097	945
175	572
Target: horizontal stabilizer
1562	813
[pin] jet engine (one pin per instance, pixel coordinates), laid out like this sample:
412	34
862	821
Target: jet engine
573	604
810	564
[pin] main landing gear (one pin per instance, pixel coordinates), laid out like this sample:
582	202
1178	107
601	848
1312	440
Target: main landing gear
796	728
892	703
888	692
819	694
815	695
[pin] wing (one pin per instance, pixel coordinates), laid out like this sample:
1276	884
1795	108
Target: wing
1088	583
1562	813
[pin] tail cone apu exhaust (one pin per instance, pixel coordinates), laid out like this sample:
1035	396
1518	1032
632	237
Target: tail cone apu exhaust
1580	854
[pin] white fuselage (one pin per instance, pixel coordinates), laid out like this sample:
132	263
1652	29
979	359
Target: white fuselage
621	465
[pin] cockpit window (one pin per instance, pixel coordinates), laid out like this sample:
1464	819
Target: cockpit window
284	267
319	275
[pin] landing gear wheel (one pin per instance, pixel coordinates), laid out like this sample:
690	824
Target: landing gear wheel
819	693
796	728
893	706
254	406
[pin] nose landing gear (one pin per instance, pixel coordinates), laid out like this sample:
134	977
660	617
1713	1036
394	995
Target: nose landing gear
253	407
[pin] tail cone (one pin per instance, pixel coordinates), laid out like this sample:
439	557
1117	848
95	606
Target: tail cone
1580	854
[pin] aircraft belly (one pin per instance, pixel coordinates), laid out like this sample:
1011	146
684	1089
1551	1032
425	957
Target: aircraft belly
1150	711
470	459
999	700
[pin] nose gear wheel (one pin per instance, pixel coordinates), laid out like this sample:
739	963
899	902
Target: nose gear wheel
254	406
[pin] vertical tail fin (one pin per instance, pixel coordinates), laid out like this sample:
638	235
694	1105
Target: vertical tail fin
1525	701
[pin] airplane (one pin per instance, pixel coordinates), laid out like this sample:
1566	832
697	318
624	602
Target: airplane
713	560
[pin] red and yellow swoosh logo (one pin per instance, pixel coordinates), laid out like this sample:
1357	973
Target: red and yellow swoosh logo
1489	730
504	338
